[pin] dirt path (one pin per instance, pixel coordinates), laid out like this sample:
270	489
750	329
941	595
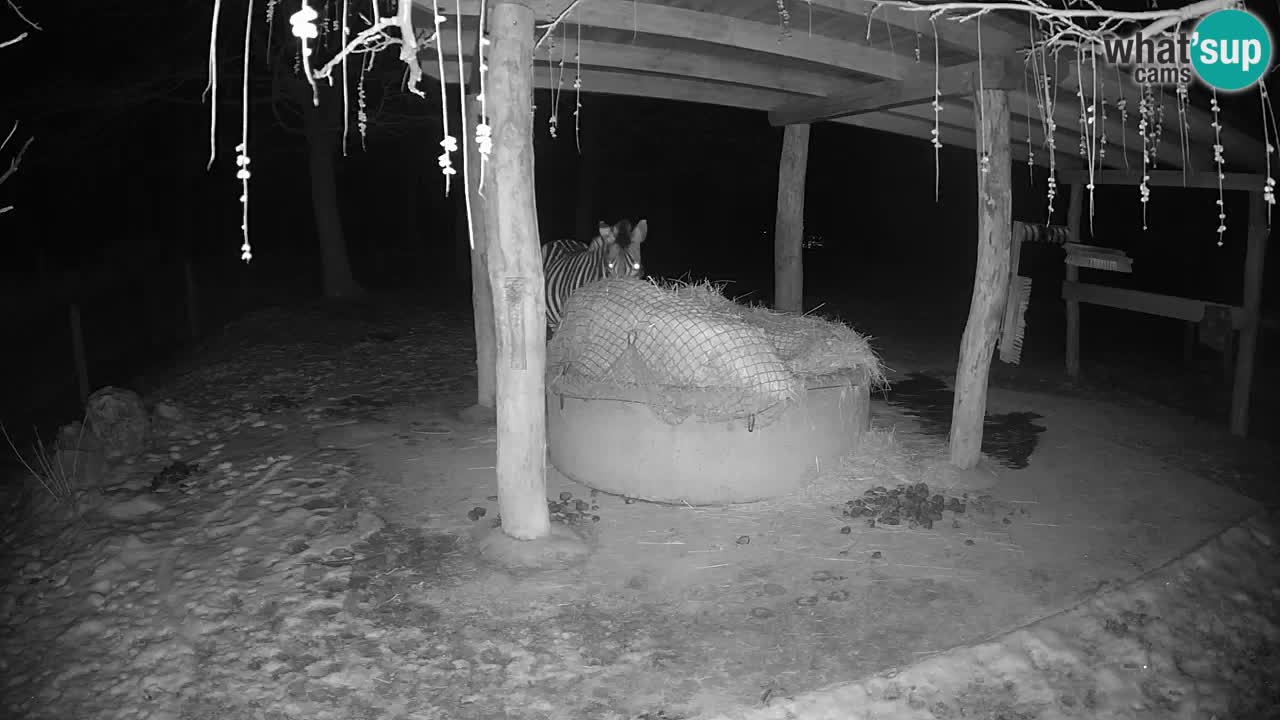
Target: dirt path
315	564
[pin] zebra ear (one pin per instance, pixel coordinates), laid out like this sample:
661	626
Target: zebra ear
607	233
639	231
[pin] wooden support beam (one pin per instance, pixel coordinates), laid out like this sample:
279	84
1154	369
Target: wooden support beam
919	124
1206	180
515	273
991	280
1075	214
788	237
921	85
1000	35
1255	260
1170	306
603	61
718	29
754	71
1005	35
721	67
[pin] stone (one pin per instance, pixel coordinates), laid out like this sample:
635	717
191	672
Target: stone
119	419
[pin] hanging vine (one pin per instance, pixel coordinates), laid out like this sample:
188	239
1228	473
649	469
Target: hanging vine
577	91
1219	162
1269	136
984	160
1144	115
937	110
462	115
484	131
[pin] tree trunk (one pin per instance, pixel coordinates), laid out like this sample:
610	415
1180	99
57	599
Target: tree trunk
336	266
788	237
515	273
1075	210
1254	265
990	281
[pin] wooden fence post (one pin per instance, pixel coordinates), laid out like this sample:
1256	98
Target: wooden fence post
990	282
788	237
1075	209
1246	352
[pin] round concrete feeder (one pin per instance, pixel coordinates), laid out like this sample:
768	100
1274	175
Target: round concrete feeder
618	444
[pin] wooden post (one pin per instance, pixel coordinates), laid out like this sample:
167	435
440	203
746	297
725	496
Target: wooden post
1075	209
481	290
788	235
193	311
1255	257
77	350
515	274
991	280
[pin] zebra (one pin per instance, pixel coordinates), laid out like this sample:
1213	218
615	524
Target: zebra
569	264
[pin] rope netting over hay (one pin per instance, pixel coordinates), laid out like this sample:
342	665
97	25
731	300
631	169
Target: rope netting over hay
688	351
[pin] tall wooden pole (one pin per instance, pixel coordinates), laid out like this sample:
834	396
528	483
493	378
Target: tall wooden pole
1255	260
1075	209
515	273
481	290
991	280
788	236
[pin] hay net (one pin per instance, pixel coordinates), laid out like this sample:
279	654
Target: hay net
686	350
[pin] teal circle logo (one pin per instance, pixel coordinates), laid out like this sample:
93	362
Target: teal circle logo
1231	49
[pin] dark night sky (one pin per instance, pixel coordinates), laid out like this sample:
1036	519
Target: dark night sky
111	90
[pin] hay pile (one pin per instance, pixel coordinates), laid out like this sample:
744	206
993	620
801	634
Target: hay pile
692	351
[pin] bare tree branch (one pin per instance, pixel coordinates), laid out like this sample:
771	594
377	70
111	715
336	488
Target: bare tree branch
17	159
1067	20
13	164
24	18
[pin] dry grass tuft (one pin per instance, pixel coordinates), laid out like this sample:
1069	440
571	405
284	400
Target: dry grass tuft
44	467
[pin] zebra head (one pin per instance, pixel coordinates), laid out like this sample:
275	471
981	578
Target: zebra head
622	243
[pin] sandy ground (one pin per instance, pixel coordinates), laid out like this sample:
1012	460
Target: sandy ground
299	544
